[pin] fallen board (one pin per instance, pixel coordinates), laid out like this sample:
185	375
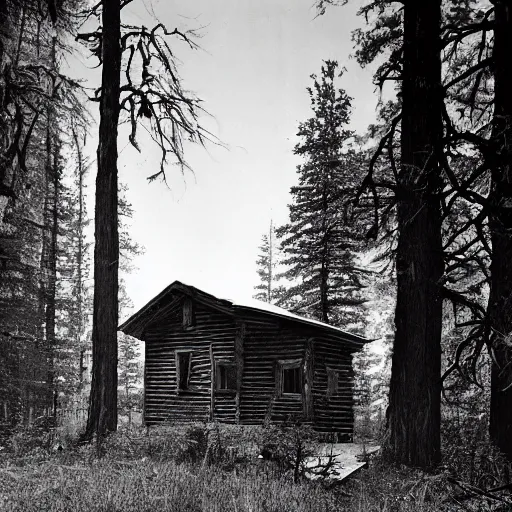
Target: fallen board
343	460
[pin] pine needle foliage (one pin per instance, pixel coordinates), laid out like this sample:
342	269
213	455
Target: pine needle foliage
320	243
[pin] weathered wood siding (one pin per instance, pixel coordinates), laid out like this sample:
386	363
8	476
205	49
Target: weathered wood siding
264	344
333	413
162	401
255	344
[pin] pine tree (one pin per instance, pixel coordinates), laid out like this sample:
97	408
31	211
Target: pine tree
269	289
415	391
73	285
411	38
130	371
155	99
129	376
34	99
319	243
500	223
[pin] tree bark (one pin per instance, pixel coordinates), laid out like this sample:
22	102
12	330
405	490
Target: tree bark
500	223
6	42
79	261
52	226
415	390
51	338
103	399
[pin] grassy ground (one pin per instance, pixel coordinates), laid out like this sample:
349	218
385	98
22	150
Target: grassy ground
175	473
109	485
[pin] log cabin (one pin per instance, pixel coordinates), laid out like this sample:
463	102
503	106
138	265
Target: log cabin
244	363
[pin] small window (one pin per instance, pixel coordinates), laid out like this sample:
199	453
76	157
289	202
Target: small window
188	314
289	377
332	382
291	380
226	376
183	360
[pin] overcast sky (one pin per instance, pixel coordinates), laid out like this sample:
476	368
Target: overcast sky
252	73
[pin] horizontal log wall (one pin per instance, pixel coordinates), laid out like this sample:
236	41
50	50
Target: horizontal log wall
333	413
162	402
264	345
261	342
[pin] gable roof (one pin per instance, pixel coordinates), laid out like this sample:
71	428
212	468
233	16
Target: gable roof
136	323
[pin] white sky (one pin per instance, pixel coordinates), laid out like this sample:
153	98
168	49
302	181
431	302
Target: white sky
252	73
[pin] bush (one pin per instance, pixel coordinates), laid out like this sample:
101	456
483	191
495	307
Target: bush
288	445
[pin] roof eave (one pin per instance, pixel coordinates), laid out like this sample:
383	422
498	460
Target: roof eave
134	325
333	331
130	326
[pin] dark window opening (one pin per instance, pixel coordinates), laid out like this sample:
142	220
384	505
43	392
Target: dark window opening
188	313
332	382
226	376
183	369
291	380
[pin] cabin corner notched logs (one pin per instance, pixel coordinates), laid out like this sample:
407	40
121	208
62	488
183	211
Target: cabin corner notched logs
211	359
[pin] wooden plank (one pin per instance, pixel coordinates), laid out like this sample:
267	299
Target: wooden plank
239	363
308	379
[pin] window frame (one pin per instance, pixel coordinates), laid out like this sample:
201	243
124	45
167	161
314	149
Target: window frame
178	353
333	382
219	363
289	364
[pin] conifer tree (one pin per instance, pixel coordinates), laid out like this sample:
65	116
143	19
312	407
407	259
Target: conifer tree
130	371
319	243
129	375
35	97
269	290
500	223
74	283
141	84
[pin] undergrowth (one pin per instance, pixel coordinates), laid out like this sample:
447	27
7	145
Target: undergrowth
204	468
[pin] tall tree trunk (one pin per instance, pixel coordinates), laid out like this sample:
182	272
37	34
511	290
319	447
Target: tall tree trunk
414	401
7	35
52	225
103	399
500	222
79	261
48	262
50	319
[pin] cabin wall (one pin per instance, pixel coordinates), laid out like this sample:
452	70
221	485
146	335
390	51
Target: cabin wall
333	411
264	345
212	336
255	346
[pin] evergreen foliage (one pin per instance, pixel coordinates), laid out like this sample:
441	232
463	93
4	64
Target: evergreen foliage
130	369
320	243
74	297
129	376
36	102
269	263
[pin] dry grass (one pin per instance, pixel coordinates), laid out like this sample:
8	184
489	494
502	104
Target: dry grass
156	473
111	486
